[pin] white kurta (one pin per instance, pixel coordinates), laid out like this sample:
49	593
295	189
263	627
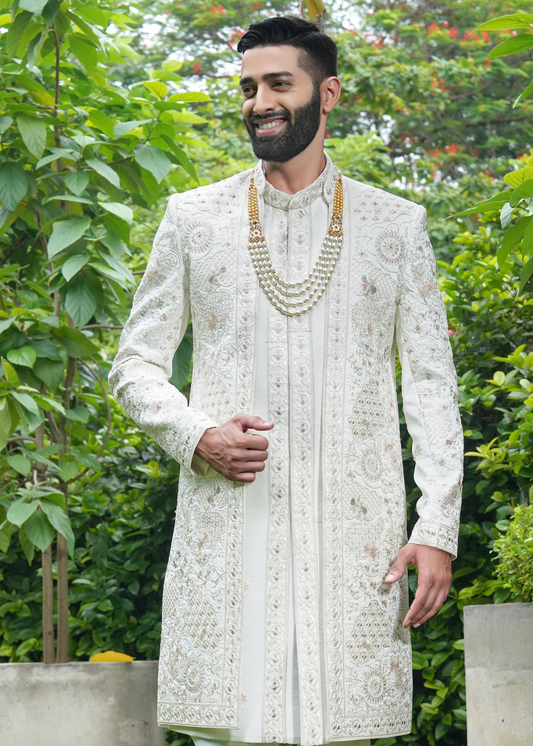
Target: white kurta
277	623
295	237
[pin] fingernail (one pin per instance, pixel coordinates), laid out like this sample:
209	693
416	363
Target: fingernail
417	624
389	577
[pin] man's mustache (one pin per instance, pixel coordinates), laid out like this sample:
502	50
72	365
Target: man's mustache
283	114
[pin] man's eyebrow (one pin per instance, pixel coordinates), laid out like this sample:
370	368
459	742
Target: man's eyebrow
266	76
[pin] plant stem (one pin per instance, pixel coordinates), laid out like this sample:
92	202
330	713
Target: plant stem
48	606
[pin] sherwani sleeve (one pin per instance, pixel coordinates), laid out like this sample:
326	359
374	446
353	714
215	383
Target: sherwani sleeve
429	389
139	378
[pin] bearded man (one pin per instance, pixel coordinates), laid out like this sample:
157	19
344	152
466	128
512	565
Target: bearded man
285	608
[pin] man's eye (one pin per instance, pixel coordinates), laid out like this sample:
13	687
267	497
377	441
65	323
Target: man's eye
281	83
247	92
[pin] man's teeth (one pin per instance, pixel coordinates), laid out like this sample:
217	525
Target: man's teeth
269	125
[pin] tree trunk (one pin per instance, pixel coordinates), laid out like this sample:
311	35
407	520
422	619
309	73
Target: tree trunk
48	607
62	600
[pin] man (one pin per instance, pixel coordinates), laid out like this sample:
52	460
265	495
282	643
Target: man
285	610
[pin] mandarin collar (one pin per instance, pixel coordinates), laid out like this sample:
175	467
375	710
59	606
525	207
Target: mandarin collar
324	186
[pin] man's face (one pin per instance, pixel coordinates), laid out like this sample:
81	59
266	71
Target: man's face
282	104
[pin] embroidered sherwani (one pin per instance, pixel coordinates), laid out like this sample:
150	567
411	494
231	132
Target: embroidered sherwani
277	623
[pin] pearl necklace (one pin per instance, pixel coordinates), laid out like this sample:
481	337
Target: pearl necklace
295	298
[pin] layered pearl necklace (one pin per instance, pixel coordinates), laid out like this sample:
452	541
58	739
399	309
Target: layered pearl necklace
295	298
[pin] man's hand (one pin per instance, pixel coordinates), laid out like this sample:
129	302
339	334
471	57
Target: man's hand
234	453
434	580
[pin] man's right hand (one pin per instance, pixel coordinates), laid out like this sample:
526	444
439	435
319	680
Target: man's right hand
232	451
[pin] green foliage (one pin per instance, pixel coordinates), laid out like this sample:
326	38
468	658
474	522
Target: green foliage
514	551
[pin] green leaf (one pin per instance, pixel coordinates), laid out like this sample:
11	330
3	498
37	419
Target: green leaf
512	46
10	374
84	50
104	170
26	544
503	23
515	178
25	356
506	215
77	181
33	132
60	522
16	31
65	233
511	238
525	93
102	122
34	6
39	530
73	264
117	208
153	160
77	414
156	87
419	660
20	510
523	191
45	348
13	184
5	537
181	156
5	426
122	128
441	730
5	124
489	205
5	324
26	401
182	361
80	302
21	464
50	10
189	97
75	342
527	271
49	372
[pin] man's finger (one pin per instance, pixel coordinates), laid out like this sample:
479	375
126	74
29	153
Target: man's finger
247	422
441	598
397	570
253	442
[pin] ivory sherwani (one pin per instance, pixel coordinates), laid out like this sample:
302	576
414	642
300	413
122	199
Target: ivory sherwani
277	623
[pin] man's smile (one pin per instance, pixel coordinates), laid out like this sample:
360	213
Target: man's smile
269	126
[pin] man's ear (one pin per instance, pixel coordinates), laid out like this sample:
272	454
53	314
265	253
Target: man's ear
331	91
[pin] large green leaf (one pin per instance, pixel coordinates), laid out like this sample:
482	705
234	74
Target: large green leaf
5	124
49	372
10	374
116	208
104	170
503	23
84	50
5	537
102	122
525	93
124	127
25	356
20	510
80	302
13	184
33	133
21	464
26	401
15	32
45	348
153	160
527	271
26	544
39	530
5	426
60	522
75	342
34	6
523	191
489	205
73	264
77	181
65	233
511	238
512	46
515	178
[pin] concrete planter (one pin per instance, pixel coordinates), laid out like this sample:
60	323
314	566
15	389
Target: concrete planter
499	674
79	704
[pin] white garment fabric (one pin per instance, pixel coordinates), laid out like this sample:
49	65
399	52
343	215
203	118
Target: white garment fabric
294	236
333	497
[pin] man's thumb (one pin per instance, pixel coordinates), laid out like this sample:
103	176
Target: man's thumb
396	571
250	422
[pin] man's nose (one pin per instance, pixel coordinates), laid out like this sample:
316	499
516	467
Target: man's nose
264	100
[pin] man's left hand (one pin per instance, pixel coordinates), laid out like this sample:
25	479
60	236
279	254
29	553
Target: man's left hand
434	580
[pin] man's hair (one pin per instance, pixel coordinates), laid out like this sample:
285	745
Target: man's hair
319	58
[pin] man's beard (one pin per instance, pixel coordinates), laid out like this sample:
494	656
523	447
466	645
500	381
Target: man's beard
296	136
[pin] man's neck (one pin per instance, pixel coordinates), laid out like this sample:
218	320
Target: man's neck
299	172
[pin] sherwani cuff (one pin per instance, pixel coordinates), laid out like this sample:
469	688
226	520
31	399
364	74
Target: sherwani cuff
433	534
187	457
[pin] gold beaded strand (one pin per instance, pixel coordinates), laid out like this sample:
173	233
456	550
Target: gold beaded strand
295	298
